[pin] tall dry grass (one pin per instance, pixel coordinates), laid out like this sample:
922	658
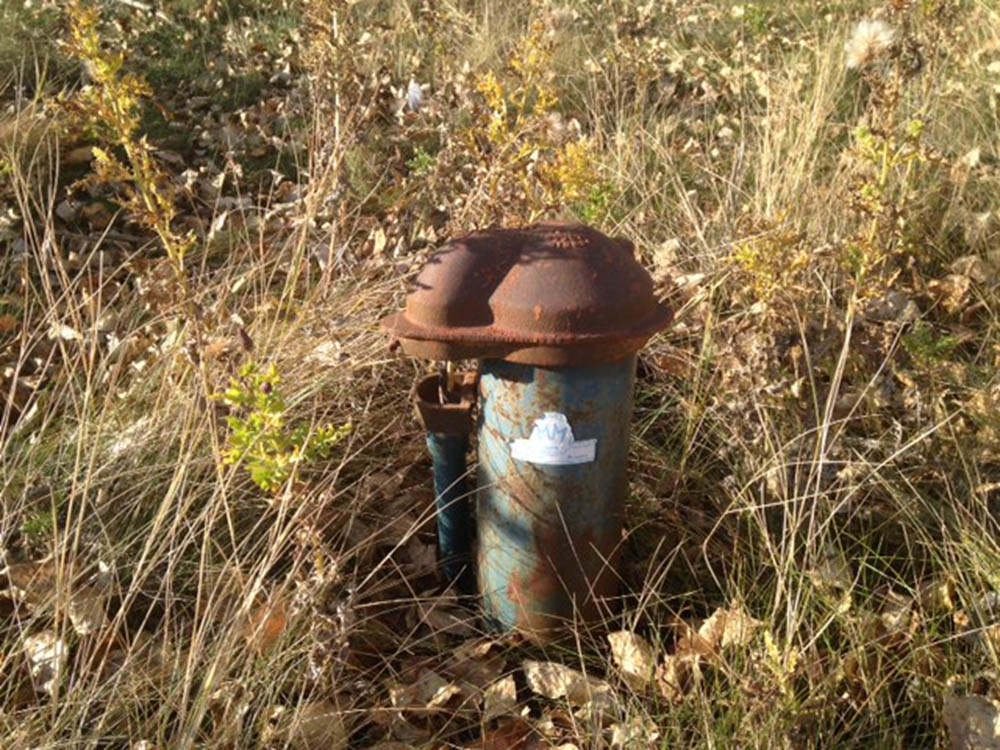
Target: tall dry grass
828	472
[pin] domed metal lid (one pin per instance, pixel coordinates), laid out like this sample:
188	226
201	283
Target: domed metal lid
548	294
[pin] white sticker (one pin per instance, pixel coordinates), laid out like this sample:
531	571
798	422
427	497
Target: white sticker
552	444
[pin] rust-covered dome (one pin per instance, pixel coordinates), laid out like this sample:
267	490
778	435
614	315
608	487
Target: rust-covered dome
548	294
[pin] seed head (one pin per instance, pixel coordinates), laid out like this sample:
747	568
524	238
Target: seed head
414	96
869	41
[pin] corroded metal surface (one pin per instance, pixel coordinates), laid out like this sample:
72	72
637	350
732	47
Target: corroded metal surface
454	511
548	295
549	534
447	417
436	415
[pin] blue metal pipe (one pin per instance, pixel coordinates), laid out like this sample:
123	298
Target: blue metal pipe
553	449
454	519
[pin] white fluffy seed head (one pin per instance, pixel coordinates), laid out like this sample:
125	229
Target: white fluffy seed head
414	96
869	41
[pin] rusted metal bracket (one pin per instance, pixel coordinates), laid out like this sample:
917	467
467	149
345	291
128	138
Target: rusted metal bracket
438	415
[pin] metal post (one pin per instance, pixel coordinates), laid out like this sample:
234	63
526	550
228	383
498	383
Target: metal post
553	447
454	519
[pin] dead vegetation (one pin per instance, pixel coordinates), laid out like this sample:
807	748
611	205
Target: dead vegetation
194	193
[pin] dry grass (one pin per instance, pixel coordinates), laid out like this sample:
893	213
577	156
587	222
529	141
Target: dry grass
802	450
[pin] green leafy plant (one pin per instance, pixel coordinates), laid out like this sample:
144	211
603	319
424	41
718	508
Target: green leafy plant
886	195
112	108
924	345
260	437
422	162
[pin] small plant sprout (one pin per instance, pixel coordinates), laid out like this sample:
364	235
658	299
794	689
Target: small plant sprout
259	435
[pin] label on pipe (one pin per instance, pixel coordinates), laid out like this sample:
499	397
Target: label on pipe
551	443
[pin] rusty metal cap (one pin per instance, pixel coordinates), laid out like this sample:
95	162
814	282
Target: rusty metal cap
547	295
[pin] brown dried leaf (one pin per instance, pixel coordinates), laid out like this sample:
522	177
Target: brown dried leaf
97	215
86	610
636	732
37	584
473	663
47	654
9	324
267	624
832	571
420	693
515	734
64	332
952	292
444	618
80	155
673	676
34	582
897	612
379	241
972	266
634	657
318	726
726	627
553	680
936	596
500	698
423	557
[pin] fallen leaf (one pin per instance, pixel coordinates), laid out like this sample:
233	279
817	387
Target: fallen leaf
37	584
422	556
216	347
973	722
267	624
936	596
47	655
67	210
425	692
445	619
952	292
832	571
515	734
553	680
500	698
636	732
80	155
724	628
63	331
317	726
383	483
97	215
379	241
673	675
171	157
86	610
896	612
9	324
634	657
972	266
474	663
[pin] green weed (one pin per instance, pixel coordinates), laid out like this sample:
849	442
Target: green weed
260	439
